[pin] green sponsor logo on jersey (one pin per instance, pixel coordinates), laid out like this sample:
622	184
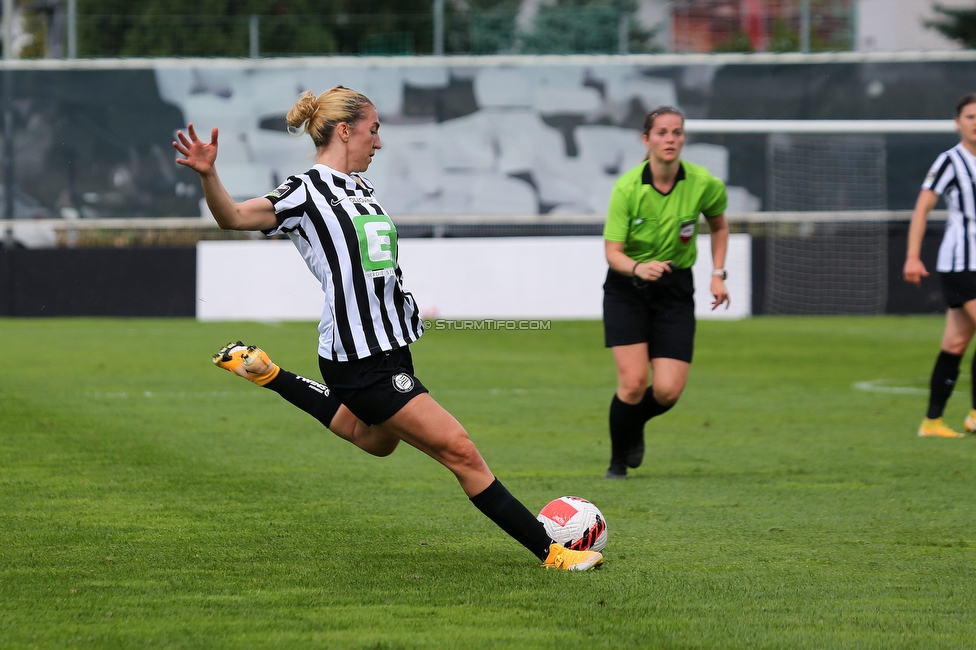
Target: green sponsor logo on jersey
377	243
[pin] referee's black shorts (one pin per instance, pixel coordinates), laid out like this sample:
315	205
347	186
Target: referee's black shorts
376	387
958	287
660	313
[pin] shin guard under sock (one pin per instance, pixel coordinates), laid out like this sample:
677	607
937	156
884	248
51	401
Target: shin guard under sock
944	376
650	407
626	430
310	396
498	504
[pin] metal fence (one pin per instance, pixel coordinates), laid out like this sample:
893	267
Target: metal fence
594	29
62	29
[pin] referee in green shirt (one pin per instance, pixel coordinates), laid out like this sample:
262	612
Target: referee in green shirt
648	303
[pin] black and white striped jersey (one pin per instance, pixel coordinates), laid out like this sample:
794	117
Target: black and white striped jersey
350	246
953	177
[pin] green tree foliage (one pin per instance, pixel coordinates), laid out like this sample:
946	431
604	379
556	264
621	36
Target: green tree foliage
36	26
203	27
221	27
313	27
783	37
570	27
586	26
383	26
738	41
490	26
957	24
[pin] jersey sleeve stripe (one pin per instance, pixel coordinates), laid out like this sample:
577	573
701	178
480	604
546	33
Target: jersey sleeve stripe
284	190
287	217
941	177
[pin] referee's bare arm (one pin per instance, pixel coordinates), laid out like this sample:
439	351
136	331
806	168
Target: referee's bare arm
914	270
200	156
719	239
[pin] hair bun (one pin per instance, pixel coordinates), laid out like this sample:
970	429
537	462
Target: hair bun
318	116
303	111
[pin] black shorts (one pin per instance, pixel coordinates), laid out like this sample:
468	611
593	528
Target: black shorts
958	287
376	387
660	313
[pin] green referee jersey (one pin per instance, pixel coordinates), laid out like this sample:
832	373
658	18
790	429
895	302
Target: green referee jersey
655	226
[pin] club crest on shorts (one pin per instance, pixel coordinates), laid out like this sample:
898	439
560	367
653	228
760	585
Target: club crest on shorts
403	382
687	231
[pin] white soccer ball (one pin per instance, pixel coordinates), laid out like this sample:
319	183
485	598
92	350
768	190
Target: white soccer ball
575	523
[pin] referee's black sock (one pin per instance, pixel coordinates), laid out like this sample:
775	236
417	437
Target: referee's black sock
626	430
944	377
498	504
310	396
650	407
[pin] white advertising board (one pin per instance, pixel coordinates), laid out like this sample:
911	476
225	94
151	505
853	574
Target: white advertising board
511	277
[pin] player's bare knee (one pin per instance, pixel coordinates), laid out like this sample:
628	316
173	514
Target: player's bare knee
344	423
381	447
667	395
461	455
631	390
955	345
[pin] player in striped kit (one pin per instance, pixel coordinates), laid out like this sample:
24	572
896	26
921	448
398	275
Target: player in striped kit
371	396
953	177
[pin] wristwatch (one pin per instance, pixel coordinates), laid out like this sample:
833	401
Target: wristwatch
720	273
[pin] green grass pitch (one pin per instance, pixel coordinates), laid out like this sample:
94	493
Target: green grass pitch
150	500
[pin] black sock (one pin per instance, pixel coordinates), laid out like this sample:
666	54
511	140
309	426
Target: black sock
310	396
650	407
626	429
943	381
973	383
498	504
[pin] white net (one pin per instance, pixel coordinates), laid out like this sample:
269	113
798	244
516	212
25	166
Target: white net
826	172
824	240
826	267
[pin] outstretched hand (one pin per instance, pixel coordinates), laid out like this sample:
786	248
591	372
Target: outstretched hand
198	155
